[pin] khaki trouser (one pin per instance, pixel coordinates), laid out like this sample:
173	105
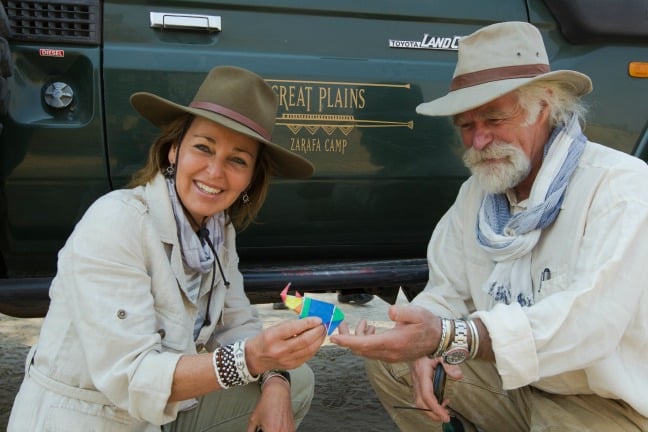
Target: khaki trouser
480	399
230	410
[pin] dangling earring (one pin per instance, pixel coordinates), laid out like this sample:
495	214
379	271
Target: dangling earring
245	198
169	171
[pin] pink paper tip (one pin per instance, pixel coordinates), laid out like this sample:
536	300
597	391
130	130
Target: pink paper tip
284	292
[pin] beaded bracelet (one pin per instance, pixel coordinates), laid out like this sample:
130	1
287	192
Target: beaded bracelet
241	364
230	366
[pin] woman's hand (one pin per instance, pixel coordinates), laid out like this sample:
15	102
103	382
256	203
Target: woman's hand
274	412
286	345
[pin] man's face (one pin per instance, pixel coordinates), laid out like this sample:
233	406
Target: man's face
503	149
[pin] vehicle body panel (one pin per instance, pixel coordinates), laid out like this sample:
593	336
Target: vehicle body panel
349	76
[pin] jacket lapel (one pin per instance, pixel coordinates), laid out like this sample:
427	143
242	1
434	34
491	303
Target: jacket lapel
159	205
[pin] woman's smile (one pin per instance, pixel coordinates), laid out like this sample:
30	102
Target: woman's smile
208	189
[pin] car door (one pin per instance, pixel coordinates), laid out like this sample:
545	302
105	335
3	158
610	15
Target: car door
349	76
52	153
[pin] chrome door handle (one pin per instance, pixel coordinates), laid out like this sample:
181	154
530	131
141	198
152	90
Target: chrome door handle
169	20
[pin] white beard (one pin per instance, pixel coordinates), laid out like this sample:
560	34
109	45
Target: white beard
497	177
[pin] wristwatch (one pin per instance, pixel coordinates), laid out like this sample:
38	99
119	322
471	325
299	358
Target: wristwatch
458	352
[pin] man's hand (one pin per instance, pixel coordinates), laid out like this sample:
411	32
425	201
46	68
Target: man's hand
422	371
416	334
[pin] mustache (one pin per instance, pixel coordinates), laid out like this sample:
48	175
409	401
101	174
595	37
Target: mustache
496	150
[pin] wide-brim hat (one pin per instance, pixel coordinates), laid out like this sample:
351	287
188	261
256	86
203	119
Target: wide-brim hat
237	99
496	60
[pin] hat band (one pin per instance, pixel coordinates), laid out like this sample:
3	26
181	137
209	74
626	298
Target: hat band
246	121
497	74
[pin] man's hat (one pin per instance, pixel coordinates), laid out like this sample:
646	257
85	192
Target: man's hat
496	60
237	99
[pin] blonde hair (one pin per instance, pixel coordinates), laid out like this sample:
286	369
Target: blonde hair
240	214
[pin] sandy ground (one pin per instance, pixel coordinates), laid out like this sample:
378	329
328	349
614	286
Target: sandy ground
344	400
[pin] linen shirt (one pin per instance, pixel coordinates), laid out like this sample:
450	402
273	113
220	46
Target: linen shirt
586	331
120	318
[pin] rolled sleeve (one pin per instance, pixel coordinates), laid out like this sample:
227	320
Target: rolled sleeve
513	344
150	389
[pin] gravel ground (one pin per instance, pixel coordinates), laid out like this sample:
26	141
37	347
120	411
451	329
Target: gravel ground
344	400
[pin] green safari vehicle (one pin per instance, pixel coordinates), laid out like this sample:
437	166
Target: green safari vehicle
348	74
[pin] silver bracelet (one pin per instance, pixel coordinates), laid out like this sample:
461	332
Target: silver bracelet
444	340
474	339
265	376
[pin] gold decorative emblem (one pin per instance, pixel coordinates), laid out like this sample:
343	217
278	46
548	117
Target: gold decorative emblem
318	104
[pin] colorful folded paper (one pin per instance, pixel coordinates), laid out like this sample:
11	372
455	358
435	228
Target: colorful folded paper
330	314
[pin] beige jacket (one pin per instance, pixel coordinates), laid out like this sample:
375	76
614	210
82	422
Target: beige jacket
586	332
120	319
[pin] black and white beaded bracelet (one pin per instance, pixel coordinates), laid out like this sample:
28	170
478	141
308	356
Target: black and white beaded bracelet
230	366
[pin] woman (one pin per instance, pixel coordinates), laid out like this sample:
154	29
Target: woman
148	322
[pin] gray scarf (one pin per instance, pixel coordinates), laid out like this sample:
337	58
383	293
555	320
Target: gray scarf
196	253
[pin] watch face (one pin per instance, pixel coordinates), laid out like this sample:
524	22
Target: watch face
455	356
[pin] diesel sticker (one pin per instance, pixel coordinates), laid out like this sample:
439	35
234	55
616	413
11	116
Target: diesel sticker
48	52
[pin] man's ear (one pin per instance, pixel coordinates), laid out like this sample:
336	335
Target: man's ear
545	112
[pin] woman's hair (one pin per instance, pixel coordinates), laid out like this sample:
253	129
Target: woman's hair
240	214
158	156
559	96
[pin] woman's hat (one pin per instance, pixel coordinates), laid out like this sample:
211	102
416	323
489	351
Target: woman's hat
237	99
496	60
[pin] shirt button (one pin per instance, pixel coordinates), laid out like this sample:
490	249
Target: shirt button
121	314
162	333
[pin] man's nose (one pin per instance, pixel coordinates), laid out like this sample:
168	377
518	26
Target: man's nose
482	136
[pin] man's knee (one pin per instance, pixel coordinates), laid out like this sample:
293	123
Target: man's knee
387	372
390	381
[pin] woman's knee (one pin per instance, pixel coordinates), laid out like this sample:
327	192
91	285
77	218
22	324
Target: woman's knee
302	385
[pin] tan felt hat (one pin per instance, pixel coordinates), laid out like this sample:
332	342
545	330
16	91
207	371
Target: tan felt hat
237	99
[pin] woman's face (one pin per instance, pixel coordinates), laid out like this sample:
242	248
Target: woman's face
214	166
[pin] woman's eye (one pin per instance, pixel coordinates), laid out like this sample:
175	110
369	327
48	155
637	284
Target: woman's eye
203	148
239	161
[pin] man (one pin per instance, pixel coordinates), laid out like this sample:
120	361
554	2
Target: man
536	304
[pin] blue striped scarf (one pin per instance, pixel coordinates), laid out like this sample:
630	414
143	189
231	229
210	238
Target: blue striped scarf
508	238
